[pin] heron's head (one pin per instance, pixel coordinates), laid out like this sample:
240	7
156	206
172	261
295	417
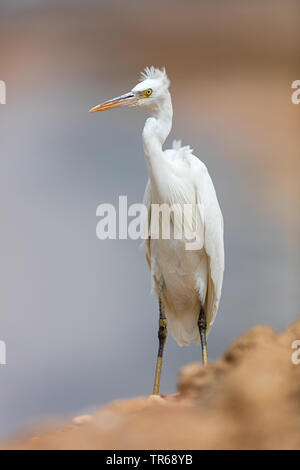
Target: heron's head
150	92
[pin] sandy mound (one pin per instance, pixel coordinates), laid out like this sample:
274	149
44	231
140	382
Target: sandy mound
248	399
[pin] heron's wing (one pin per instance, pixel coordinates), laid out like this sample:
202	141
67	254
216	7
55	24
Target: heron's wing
213	243
147	204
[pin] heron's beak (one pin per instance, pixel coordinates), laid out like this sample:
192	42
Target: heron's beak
129	99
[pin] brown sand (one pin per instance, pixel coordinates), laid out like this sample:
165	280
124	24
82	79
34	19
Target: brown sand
248	399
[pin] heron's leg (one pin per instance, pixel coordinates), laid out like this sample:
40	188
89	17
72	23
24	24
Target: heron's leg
202	325
162	336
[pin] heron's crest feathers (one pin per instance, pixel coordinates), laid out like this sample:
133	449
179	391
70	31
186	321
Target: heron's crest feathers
153	73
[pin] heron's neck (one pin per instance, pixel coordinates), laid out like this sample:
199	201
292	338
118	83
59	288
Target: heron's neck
156	130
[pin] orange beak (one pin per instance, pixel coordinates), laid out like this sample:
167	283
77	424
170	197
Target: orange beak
129	99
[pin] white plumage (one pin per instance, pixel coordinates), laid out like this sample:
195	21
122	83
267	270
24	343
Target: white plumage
179	177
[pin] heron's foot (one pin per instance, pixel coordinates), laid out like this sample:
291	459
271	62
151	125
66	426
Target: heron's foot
156	398
202	325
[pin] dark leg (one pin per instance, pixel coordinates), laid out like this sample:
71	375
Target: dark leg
162	336
202	330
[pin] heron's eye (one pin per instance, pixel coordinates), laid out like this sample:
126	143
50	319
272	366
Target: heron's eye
148	92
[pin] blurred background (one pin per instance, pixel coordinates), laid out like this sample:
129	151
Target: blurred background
76	313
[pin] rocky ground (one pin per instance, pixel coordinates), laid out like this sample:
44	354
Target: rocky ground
248	399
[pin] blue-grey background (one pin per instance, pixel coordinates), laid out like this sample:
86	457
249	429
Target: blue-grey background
76	313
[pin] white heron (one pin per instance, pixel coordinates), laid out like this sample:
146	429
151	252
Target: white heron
188	283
